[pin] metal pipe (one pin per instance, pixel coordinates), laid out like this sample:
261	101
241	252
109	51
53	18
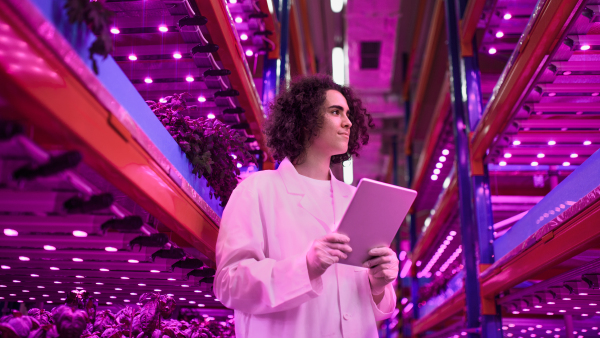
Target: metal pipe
284	20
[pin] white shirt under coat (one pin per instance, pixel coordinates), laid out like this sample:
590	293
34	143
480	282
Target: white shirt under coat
268	225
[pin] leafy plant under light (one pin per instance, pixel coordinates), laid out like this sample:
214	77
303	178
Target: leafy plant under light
208	144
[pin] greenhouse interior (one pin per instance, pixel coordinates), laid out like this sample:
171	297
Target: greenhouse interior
127	125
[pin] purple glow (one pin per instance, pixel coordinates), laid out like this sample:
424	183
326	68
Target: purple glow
53	268
211	116
442	158
507	16
239	19
452	233
11	232
502	163
540	155
567	73
148	80
133	261
154	271
534	164
110	249
23	258
239	165
115	30
249	52
499	34
434	177
163	28
5	267
585	47
189	78
551	94
244	36
492	50
445	152
551	143
595	94
233	1
574	155
516	142
49	247
177	55
507	155
201	99
566	164
436	171
418	263
587	143
405	269
77	260
104	270
439	165
402	255
132	57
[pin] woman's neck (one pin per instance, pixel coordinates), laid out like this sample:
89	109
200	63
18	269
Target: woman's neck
314	166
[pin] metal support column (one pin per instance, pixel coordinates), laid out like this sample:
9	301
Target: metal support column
284	20
467	224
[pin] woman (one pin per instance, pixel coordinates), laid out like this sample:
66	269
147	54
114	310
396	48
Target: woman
276	250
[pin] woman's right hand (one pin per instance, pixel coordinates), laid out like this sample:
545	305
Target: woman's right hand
325	252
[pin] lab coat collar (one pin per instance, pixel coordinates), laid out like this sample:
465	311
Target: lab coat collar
342	193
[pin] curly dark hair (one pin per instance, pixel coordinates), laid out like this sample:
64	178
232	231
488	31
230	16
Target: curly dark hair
296	118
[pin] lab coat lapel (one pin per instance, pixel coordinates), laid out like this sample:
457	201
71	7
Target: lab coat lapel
295	185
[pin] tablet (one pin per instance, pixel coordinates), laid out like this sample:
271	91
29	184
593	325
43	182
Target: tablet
373	217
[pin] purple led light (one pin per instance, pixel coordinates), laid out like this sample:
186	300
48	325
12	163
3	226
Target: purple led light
244	36
23	258
574	155
49	248
177	55
507	16
11	232
115	30
77	260
442	158
566	164
201	99
595	94
79	233
585	47
516	142
499	34
162	100
445	152
148	80
163	28
567	73
551	143
189	78
502	163
507	155
132	57
551	94
587	143
249	52
492	50
540	155
439	165
239	19
534	164
436	171
239	165
5	267
434	177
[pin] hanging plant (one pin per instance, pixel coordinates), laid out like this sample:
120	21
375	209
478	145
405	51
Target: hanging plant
98	19
213	148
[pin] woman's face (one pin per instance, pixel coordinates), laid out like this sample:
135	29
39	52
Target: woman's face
333	137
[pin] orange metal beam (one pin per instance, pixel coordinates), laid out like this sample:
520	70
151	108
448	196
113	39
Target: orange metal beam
448	203
413	49
451	307
296	50
272	25
468	25
542	39
434	34
222	32
579	234
310	50
61	109
442	108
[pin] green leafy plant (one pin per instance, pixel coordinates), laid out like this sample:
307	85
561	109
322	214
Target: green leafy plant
98	19
213	148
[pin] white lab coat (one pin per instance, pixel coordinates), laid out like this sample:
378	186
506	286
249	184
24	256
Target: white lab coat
266	230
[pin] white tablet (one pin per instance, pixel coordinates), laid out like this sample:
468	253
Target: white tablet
373	217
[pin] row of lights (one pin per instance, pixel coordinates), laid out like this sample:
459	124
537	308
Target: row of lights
426	271
13	233
161	28
439	165
542	155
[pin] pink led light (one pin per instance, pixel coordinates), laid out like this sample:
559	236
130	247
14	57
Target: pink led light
154	271
452	233
551	143
132	57
249	52
574	155
233	1
177	55
163	28
49	247
244	37
492	50
201	99
239	19
111	249
585	47
551	94
124	277
436	171
133	261
239	165
434	177
189	78
442	158
516	142
499	34
595	94
507	155
11	232
507	16
79	233
77	260
79	276
567	73
148	80
104	270
566	164
515	312
115	30
439	165
171	279
53	268
540	155
587	143
502	163
211	116
534	164
445	152
23	258
5	267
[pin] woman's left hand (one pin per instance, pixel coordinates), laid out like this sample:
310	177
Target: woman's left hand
383	268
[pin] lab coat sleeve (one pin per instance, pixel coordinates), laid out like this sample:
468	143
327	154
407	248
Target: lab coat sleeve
248	281
386	307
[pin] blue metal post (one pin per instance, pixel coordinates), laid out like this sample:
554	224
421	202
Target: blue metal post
269	82
461	139
284	20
